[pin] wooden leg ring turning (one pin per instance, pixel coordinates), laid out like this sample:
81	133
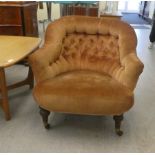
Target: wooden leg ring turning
44	113
118	120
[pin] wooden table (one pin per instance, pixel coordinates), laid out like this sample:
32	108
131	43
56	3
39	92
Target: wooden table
12	50
116	15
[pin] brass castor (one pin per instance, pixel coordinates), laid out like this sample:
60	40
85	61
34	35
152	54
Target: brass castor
44	114
118	119
47	126
119	132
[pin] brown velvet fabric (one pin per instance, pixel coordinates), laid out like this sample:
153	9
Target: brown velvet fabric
84	92
97	45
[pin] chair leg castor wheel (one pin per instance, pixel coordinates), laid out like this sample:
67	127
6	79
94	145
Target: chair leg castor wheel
119	132
47	126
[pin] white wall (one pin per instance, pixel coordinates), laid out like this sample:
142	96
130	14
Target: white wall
114	4
55	13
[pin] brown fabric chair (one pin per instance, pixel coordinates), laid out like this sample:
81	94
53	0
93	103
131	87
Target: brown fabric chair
87	66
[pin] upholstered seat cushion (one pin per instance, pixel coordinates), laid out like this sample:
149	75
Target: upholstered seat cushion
84	92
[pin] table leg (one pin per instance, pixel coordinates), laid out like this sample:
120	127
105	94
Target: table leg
49	10
30	78
87	9
4	94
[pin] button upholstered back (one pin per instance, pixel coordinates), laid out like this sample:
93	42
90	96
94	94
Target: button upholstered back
88	43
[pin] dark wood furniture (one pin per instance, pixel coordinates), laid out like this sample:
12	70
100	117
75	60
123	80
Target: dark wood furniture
18	18
84	8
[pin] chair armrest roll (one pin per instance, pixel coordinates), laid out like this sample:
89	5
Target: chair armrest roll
132	68
41	59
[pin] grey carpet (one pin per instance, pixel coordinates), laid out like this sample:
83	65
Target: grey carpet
75	133
133	18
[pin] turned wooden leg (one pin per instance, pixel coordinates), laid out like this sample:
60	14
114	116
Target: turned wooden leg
44	113
118	120
4	93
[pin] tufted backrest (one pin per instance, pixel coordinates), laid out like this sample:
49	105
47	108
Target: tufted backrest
87	43
90	47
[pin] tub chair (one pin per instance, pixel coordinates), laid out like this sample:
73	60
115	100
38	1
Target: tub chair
86	66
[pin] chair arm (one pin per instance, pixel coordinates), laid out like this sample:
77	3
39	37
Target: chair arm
40	60
132	67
